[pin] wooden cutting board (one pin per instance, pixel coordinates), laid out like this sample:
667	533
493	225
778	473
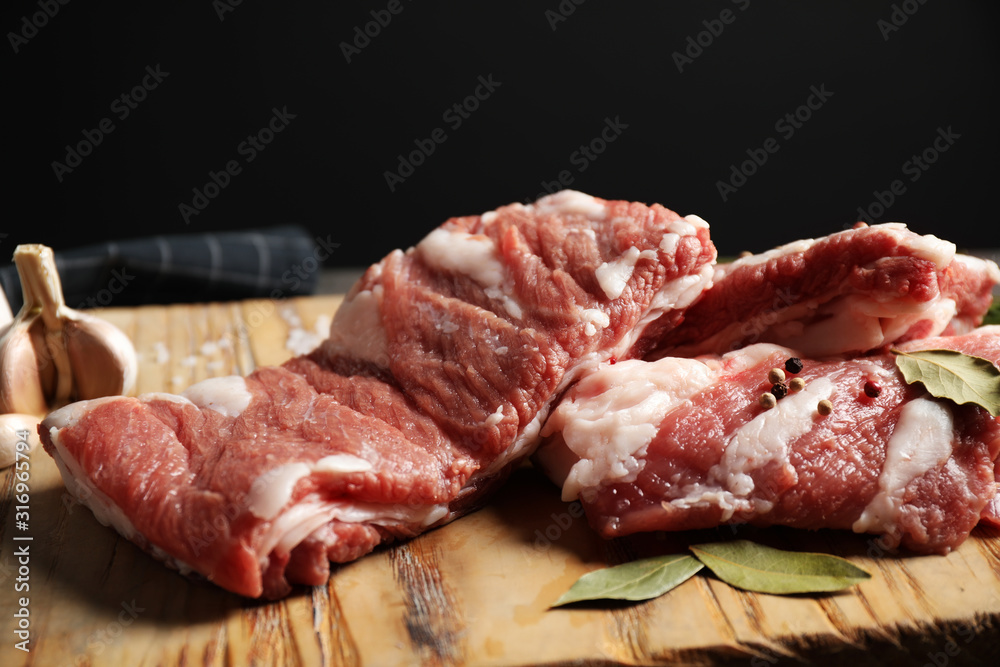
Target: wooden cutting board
475	592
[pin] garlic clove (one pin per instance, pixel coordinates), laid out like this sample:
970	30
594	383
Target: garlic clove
46	369
6	317
103	358
17	433
21	387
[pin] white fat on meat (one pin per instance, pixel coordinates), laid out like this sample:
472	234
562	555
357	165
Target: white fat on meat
70	414
669	243
472	255
821	327
928	246
977	265
938	314
293	526
495	418
313	514
851	322
611	417
818	328
387	515
572	202
594	319
227	395
528	437
357	330
164	396
613	276
925	246
765	439
342	463
682	292
920	442
273	489
687	226
748	357
676	294
696	222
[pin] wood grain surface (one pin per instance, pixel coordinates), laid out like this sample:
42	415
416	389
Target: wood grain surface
475	592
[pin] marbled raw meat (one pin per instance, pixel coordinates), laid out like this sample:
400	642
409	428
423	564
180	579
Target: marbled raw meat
847	293
684	443
440	367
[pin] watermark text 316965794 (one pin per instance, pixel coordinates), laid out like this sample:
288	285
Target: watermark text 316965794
22	541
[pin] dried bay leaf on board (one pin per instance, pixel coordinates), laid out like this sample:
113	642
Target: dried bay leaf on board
638	580
762	569
993	314
957	376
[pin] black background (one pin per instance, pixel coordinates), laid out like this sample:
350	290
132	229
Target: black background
891	92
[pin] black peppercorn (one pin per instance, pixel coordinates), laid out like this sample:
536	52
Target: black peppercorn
793	365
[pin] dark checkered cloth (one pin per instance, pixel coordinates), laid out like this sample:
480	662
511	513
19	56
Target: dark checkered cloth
276	262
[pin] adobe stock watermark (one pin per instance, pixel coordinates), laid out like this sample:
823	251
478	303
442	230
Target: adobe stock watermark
121	107
454	116
914	168
105	296
786	126
32	23
561	523
291	279
248	149
363	34
22	540
99	640
562	12
223	7
752	330
696	44
898	17
583	156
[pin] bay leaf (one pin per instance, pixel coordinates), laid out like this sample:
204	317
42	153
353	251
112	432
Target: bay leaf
763	569
957	376
993	314
641	579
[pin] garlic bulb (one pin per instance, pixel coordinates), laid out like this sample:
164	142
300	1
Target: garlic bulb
51	354
18	435
5	315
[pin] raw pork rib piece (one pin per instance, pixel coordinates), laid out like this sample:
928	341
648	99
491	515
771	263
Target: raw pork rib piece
683	443
440	367
849	292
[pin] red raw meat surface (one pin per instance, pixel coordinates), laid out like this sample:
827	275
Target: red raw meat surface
440	367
